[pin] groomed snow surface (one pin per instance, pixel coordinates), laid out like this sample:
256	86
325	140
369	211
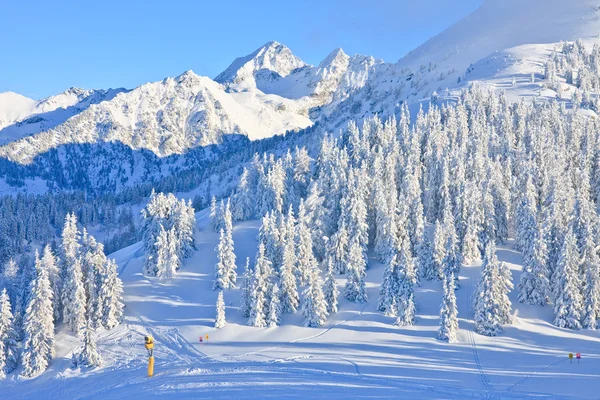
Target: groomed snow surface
359	353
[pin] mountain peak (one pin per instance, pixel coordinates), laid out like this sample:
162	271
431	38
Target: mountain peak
272	56
336	58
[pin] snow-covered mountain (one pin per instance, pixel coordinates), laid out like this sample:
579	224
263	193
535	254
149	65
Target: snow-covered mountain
271	91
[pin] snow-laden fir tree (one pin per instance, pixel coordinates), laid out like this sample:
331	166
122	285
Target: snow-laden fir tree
73	297
274	316
448	311
314	306
330	290
406	281
220	320
305	257
8	336
534	285
386	231
213	215
439	248
110	295
389	288
288	285
173	215
93	262
243	203
246	290
260	287
591	306
490	301
167	260
225	274
88	355
338	249
38	325
355	289
452	261
426	266
50	264
568	303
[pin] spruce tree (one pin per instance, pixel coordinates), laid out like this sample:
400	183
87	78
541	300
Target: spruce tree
389	288
274	316
406	281
491	304
568	304
330	290
8	335
38	325
314	306
426	265
111	295
534	285
338	249
448	311
220	320
260	286
355	289
50	264
287	278
73	293
305	257
246	288
88	356
225	275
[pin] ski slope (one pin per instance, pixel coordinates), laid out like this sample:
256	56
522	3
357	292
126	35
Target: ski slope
358	353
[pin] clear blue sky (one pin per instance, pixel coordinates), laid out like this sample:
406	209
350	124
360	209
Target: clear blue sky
49	46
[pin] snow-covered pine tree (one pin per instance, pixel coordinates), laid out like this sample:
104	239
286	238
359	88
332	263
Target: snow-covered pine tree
426	266
88	356
73	297
274	316
330	290
451	261
314	306
225	275
220	320
213	214
111	295
568	304
288	285
244	199
386	232
50	264
93	262
490	302
439	249
167	259
406	281
10	280
38	324
591	306
534	285
338	249
305	257
448	311
389	288
8	335
355	289
260	286
246	290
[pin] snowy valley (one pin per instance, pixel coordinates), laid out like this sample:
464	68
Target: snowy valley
426	228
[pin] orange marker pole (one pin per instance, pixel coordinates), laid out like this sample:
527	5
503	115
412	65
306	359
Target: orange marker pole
150	367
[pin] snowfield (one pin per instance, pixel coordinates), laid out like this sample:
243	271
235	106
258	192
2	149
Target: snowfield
359	353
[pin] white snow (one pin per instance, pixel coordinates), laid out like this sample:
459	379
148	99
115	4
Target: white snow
358	353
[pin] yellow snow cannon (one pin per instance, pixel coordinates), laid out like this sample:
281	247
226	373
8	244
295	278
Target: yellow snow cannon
149	344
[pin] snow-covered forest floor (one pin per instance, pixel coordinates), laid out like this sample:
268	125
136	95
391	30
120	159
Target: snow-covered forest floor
357	353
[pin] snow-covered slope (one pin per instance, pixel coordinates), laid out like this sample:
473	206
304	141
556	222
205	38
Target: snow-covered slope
359	353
